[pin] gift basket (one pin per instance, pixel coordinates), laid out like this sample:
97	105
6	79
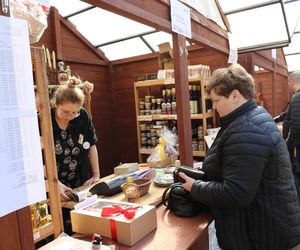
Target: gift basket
165	153
35	14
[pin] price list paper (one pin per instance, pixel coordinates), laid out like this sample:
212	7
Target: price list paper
21	167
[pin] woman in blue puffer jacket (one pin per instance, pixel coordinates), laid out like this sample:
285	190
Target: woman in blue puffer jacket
249	185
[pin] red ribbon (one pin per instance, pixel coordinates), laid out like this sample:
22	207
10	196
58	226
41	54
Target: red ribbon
129	212
116	210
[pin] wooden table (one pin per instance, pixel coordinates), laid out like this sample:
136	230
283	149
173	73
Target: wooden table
174	233
153	197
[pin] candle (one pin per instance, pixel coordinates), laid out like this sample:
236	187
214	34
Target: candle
43	47
48	59
53	60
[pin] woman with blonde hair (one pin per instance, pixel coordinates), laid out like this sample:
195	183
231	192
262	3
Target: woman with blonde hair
74	139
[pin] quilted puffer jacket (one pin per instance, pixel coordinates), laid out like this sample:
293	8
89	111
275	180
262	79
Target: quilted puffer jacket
250	186
291	124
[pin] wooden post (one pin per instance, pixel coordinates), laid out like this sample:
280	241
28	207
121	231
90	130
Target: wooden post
182	100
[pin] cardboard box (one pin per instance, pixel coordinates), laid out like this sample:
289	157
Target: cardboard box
88	220
126	168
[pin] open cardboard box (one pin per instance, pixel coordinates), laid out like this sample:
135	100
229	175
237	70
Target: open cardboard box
88	220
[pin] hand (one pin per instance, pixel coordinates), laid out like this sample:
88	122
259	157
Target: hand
92	180
63	189
188	181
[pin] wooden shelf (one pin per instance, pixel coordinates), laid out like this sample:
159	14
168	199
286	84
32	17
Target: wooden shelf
163	82
199	153
145	118
142	88
43	232
149	151
146	151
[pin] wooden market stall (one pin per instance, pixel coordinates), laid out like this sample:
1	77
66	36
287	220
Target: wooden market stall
270	71
113	104
90	64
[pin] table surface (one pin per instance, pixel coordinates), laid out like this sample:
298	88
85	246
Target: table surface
153	197
173	232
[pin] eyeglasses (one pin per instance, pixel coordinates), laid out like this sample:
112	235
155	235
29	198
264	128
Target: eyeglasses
69	114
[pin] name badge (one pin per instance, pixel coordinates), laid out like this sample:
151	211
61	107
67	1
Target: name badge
80	139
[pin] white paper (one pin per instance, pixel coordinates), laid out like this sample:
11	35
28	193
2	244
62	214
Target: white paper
181	19
212	237
208	9
211	136
21	172
233	54
85	202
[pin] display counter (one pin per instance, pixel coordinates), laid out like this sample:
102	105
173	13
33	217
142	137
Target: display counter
172	232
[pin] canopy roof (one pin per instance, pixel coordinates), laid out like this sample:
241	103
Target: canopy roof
255	25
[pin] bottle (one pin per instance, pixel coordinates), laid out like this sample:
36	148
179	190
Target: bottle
43	209
168	102
195	99
191	99
131	191
199	104
68	70
35	216
173	103
177	163
163	102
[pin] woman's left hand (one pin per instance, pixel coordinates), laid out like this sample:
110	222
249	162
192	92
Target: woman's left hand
91	181
188	181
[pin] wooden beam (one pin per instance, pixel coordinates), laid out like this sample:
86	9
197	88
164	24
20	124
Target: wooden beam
246	60
56	34
156	13
182	100
85	61
135	58
135	11
224	18
46	131
274	76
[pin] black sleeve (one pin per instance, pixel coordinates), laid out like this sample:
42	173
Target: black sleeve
293	138
244	157
88	127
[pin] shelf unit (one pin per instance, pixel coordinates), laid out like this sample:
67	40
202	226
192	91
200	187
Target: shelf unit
154	88
55	226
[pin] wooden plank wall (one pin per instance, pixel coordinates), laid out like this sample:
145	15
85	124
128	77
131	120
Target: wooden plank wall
125	117
85	63
265	82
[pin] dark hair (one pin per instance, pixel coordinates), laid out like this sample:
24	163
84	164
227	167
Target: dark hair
69	93
223	81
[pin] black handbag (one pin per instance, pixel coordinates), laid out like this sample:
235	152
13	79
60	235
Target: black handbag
191	172
179	201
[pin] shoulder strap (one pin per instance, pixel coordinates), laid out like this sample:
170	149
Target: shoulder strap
167	191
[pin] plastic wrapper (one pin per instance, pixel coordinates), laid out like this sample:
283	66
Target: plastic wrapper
34	13
165	152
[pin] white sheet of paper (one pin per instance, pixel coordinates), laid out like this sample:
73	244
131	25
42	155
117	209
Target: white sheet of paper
209	140
181	19
233	53
21	172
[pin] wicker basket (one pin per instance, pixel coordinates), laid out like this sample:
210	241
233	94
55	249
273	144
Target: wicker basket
36	27
170	161
143	184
